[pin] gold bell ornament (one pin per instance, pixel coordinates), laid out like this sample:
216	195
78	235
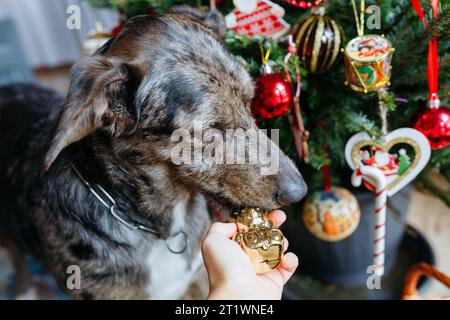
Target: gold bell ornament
262	243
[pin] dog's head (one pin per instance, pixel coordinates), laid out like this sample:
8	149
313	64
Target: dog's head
163	74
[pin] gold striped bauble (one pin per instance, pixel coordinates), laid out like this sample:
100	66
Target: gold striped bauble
319	39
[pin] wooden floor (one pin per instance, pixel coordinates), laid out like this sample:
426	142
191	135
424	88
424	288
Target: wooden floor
428	214
57	78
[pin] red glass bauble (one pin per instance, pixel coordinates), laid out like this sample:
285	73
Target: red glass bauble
273	96
304	4
434	123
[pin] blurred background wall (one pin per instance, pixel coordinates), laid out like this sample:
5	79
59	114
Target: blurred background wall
42	32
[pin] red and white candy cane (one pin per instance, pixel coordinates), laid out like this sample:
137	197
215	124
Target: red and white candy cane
378	177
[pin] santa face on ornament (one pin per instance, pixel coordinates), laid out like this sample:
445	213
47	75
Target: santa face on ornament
401	157
393	165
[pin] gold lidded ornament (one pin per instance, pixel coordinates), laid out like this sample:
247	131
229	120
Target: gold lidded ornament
368	63
367	58
262	243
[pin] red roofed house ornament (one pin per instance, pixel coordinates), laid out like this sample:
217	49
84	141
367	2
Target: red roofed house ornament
257	17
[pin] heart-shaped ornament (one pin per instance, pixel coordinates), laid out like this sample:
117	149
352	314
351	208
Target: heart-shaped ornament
402	156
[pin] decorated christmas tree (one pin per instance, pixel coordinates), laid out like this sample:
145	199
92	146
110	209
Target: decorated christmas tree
326	102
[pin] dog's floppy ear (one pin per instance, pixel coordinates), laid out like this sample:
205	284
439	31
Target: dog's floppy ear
101	95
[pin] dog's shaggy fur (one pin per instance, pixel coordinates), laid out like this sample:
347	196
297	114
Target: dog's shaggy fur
161	73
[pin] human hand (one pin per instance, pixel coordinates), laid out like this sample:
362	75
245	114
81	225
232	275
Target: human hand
230	272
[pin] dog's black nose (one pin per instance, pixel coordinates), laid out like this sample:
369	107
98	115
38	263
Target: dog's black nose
291	186
291	190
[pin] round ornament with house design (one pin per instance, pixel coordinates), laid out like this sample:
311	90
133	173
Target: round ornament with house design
332	215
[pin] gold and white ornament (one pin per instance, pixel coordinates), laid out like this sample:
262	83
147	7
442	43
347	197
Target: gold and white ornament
95	40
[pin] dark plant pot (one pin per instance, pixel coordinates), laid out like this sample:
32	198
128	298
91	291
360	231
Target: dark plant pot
345	262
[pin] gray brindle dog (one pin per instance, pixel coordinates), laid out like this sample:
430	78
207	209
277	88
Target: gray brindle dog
89	180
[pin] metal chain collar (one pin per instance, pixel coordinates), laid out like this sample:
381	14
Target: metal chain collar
171	241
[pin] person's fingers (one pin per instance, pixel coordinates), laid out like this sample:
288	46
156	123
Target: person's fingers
224	229
288	266
241	227
278	217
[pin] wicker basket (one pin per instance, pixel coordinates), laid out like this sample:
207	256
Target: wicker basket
415	273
